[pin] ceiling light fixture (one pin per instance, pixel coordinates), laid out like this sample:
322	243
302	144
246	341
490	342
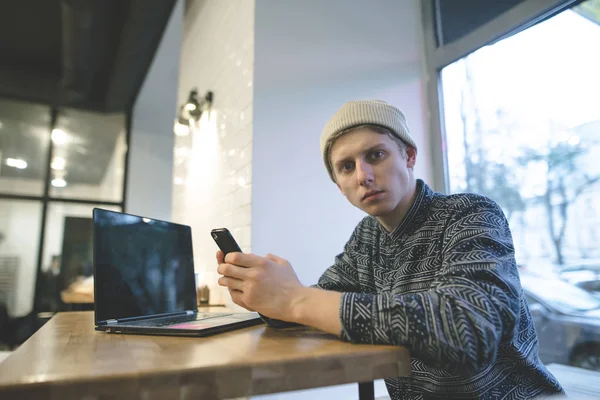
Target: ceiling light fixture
59	182
16	163
59	136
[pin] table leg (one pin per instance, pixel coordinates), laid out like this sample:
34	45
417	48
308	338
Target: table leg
366	391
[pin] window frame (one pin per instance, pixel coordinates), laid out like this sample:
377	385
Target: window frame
46	199
517	19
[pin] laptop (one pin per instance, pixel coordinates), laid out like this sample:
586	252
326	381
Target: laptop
144	280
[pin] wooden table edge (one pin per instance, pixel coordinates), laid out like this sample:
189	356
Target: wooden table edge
179	378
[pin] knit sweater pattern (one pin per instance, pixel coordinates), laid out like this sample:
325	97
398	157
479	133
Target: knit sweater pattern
445	285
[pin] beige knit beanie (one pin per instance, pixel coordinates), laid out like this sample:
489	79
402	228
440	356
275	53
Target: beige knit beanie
364	112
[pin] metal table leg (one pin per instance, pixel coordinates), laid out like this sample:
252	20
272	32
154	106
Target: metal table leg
366	391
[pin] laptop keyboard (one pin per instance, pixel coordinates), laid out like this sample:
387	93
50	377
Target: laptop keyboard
177	320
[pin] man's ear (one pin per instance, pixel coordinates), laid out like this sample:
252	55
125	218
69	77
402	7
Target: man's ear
411	157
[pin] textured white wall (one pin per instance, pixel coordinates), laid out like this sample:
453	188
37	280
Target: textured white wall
213	164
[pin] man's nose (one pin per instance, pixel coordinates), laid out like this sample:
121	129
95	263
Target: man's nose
364	173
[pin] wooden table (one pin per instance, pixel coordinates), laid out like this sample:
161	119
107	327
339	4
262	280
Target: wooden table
68	359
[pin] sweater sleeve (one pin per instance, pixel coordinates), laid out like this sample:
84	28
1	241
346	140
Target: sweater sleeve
470	308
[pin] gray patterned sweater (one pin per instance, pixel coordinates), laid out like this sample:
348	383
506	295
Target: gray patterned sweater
445	285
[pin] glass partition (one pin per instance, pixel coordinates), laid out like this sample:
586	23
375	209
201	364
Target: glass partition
88	160
24	134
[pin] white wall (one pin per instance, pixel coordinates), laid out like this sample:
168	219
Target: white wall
213	165
310	57
150	159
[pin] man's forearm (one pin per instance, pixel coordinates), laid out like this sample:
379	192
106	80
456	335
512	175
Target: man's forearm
319	309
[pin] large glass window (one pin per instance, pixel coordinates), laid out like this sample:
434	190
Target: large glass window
66	276
522	124
56	165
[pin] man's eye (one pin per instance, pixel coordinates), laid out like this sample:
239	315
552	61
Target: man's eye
376	155
346	167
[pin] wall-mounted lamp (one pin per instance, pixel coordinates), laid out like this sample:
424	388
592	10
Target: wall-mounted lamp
192	111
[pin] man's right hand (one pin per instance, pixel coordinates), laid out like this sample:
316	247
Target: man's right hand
220	260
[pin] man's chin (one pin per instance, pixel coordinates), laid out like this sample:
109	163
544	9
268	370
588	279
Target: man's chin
377	210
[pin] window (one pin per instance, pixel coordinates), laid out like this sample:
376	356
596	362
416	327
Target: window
67	256
24	144
88	161
20	226
56	165
522	126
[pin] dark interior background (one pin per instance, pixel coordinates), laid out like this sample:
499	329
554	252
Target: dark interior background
77	65
85	54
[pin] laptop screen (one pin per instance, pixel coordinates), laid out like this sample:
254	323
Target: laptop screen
142	266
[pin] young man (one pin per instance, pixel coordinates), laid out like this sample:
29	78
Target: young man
430	272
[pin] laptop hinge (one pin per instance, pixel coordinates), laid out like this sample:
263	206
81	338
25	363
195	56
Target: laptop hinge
129	319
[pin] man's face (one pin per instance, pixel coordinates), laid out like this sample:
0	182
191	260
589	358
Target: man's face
373	173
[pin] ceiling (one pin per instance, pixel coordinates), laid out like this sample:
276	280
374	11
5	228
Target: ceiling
79	53
86	58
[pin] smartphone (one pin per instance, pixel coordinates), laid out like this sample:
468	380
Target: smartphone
225	240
